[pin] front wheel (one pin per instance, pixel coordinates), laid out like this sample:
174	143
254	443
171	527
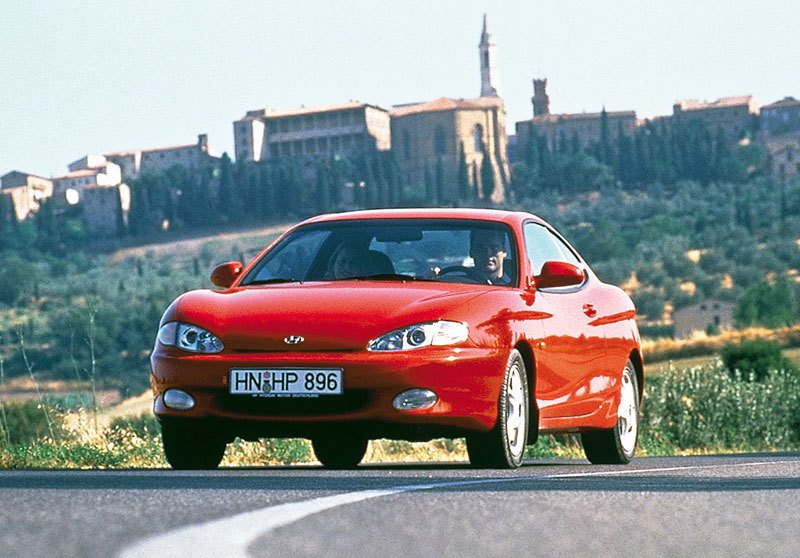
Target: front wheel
504	446
339	452
191	447
618	444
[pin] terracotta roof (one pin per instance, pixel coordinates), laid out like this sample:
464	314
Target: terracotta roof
79	174
555	118
785	102
722	102
149	150
275	113
445	103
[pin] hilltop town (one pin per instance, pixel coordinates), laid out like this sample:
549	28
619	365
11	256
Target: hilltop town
443	151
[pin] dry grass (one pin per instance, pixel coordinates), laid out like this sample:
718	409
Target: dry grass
670	349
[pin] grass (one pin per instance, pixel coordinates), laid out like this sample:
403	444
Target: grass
703	409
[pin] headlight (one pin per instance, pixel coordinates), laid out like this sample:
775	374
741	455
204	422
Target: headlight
421	335
189	338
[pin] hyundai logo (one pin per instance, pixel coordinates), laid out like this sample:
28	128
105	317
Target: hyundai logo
293	339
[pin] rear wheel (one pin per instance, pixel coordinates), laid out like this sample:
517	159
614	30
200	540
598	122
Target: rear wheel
504	446
618	444
191	447
339	452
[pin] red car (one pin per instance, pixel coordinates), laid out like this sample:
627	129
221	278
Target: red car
410	324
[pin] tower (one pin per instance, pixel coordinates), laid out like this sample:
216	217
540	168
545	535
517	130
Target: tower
540	100
490	73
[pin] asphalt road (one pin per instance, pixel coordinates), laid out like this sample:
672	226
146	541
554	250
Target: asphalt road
744	505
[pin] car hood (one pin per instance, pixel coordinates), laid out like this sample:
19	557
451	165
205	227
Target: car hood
329	316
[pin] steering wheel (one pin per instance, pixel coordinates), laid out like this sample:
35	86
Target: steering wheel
467	272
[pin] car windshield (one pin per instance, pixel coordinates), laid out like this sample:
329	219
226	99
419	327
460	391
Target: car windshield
455	251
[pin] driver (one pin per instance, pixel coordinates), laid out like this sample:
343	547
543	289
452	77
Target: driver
350	261
487	249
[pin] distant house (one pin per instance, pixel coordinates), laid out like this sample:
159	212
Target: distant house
25	191
316	132
781	116
585	128
90	171
733	115
193	156
784	152
699	317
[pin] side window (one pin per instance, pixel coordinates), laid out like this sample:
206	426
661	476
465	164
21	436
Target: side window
543	246
292	260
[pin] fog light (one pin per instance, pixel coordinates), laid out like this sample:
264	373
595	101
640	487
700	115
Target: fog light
178	399
413	399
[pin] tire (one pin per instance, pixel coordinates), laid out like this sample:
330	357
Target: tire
618	444
339	452
191	447
503	447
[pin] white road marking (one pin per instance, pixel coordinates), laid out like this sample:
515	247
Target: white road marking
229	537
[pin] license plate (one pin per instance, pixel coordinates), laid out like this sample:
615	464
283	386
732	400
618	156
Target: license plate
286	382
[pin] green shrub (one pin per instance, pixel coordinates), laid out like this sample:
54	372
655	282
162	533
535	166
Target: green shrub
754	359
705	408
25	423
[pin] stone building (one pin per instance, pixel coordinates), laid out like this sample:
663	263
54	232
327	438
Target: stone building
106	208
781	116
88	172
734	115
427	138
784	153
193	156
313	132
702	315
585	127
25	192
430	135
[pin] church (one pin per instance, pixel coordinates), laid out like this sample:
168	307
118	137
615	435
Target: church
461	143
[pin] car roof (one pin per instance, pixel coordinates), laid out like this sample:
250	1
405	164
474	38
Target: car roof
496	215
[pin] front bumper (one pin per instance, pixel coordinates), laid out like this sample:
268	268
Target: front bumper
466	380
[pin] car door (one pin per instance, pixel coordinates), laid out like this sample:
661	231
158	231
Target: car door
569	355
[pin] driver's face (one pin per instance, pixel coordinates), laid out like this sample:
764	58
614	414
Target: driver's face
348	263
488	253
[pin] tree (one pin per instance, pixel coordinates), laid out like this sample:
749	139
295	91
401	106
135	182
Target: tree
228	194
487	178
464	186
767	305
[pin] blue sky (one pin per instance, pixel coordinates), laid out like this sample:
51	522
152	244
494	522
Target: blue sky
91	77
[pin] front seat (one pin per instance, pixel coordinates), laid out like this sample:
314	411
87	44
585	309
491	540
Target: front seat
381	264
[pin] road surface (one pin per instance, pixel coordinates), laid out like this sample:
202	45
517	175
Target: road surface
743	505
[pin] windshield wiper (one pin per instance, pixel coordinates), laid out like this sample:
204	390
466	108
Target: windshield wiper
271	281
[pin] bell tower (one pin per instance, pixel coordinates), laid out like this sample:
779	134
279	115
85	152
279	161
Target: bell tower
490	73
540	99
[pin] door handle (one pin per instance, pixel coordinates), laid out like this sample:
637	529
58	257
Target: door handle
590	310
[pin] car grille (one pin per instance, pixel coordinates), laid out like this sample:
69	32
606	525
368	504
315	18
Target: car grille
296	406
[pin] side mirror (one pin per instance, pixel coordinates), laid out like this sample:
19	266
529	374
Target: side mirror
225	274
559	274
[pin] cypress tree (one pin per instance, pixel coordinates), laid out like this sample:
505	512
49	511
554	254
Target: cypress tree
440	181
487	178
464	186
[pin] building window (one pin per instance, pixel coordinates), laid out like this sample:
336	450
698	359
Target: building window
439	141
477	136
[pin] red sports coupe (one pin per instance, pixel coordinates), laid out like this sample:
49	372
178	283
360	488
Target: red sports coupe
410	324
